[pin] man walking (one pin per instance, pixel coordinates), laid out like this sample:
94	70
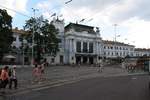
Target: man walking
100	68
13	78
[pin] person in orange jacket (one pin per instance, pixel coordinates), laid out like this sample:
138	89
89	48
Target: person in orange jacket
4	78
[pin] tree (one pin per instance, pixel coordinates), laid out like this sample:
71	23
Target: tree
45	37
6	35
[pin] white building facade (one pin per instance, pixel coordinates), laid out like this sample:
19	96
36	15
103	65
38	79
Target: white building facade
83	45
138	52
116	49
60	58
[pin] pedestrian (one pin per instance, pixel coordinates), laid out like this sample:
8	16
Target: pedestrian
13	78
39	74
35	73
79	63
0	78
100	68
4	78
42	70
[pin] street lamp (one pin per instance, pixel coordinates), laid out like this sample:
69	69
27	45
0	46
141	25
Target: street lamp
32	59
68	1
23	47
115	31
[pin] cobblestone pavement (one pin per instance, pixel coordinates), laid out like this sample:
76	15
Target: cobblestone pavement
59	75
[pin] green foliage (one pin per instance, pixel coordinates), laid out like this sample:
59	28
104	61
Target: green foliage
45	36
6	37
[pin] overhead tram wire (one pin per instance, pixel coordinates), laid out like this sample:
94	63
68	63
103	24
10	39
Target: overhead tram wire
105	10
58	6
15	11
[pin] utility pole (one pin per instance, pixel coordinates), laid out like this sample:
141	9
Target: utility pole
115	26
115	40
32	59
23	44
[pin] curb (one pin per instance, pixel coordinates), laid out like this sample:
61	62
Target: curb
143	73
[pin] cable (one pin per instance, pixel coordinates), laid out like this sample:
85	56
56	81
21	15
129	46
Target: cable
105	10
15	11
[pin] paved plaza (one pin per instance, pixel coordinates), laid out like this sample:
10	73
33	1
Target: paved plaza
59	75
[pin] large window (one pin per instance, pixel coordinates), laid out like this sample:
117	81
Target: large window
90	47
85	47
60	43
78	46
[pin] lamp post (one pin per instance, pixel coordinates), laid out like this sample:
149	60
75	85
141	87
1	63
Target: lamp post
115	40
32	58
68	1
23	44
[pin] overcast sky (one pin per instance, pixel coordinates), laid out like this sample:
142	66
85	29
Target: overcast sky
131	16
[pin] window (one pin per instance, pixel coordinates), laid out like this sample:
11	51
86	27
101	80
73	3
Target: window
90	47
120	54
52	60
104	53
20	38
108	53
61	59
85	47
60	43
78	46
99	57
124	53
14	38
117	53
72	58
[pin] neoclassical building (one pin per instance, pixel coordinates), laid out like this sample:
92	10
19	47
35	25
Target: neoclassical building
79	44
83	44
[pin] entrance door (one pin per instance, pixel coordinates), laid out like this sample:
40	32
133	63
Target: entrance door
78	59
91	60
61	59
84	60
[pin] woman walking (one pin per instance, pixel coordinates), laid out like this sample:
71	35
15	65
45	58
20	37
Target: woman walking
4	78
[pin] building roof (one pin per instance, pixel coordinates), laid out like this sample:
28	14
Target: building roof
21	31
116	43
57	20
142	49
80	28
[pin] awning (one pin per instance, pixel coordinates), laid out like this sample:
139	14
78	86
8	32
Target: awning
9	57
86	54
